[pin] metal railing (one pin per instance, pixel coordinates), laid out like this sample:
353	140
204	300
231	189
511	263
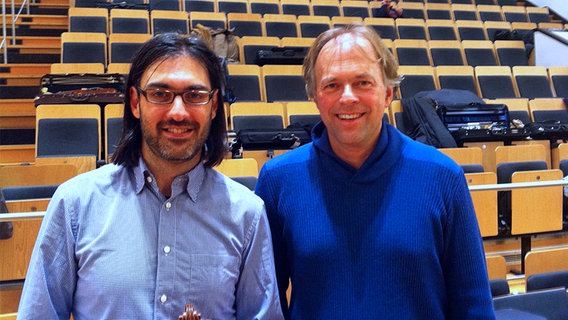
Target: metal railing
17	216
4	42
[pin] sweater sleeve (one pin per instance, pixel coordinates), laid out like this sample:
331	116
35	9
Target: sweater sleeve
467	284
267	189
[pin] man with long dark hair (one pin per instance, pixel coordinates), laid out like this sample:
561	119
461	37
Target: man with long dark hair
158	228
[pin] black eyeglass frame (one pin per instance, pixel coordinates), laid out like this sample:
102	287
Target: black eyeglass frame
144	93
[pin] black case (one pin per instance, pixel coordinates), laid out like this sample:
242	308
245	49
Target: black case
81	88
281	55
270	139
476	116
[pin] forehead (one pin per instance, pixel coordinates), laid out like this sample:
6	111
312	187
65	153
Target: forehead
346	53
177	68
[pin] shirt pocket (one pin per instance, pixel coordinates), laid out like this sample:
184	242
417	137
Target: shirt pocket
215	273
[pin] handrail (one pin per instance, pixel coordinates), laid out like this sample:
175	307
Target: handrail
17	216
3	43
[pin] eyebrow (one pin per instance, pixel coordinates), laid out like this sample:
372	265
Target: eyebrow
167	87
365	75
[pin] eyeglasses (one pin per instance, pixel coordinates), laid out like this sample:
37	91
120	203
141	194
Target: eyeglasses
165	96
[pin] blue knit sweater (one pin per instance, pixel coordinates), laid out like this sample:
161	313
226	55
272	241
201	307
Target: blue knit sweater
395	239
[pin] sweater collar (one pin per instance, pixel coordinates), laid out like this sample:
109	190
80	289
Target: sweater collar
386	154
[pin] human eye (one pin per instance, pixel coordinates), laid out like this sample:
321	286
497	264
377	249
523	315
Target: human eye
159	95
330	87
196	96
364	84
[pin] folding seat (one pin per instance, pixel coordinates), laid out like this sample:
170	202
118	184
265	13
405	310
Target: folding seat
547	280
280	25
412	10
441	30
462	2
257	115
295	7
84	47
495	82
528	163
77	68
304	114
244	80
236	6
302	42
342	21
490	13
416	79
495	28
123	46
538	14
355	8
264	6
496	266
457	77
283	83
169	5
213	20
511	53
468	158
506	2
438	1
523	27
244	171
551	25
471	30
121	68
113	120
412	52
479	53
544	261
383	26
541	304
559	78
129	21
446	53
199	5
518	109
440	11
88	20
484	2
249	47
245	24
515	13
465	11
484	202
169	21
328	8
411	28
312	26
68	130
548	109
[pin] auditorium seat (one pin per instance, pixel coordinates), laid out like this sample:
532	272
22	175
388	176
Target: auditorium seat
511	53
355	8
490	12
408	28
249	47
264	6
515	13
493	28
416	79
245	81
88	20
84	47
113	120
383	26
412	10
199	5
283	83
280	25
479	53
411	52
295	7
559	78
129	21
436	11
163	21
457	77
446	53
213	20
328	8
441	30
471	30
123	46
495	82
256	115
312	26
464	11
538	14
232	6
245	24
532	82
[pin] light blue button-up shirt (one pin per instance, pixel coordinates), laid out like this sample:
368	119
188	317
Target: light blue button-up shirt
111	246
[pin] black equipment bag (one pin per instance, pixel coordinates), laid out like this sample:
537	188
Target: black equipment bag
548	130
270	139
474	116
81	88
281	55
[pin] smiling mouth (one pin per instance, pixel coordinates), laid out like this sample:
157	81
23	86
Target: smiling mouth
350	116
177	130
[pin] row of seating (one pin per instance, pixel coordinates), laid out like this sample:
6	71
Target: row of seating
361	9
488	82
99	20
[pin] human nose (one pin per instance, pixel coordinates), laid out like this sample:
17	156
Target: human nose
348	95
178	110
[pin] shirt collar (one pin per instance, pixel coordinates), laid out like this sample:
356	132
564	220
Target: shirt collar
194	178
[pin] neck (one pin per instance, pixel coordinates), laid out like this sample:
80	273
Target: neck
165	171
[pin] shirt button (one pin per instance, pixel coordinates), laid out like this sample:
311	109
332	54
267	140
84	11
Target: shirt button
168	205
167	249
149	179
163	298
